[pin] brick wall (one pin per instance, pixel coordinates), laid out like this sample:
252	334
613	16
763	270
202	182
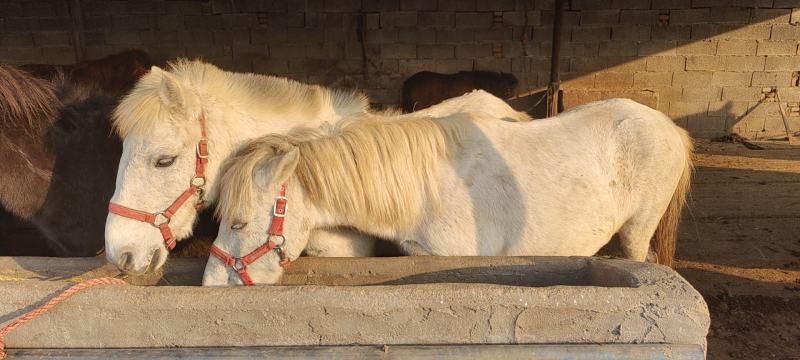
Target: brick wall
703	62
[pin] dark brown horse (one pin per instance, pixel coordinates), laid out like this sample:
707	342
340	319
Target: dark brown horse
58	163
114	74
425	89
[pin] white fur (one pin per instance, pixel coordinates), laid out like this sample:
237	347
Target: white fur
560	187
160	117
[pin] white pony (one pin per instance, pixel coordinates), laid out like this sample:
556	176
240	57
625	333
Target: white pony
465	184
179	125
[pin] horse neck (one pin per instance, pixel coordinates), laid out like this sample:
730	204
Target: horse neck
25	174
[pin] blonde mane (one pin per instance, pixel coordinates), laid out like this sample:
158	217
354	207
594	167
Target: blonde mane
371	172
142	109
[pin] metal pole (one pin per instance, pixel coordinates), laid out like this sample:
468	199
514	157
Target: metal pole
555	81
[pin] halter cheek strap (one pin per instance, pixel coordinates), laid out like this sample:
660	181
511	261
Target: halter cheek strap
161	219
239	264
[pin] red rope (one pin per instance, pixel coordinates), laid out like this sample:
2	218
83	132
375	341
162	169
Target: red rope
50	304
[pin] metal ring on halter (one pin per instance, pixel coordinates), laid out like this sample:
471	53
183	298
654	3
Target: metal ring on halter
238	264
156	223
277	245
198	181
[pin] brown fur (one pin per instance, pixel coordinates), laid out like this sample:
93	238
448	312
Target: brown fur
425	89
115	74
666	234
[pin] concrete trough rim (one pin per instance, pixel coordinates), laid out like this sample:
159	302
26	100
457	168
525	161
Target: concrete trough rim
664	308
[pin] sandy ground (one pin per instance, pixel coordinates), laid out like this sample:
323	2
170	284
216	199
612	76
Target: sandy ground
740	247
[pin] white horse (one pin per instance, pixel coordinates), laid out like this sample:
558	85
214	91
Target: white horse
462	185
179	125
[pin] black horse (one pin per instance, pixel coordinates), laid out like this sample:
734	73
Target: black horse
425	89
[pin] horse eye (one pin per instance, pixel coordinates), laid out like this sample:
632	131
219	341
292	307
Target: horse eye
165	161
238	226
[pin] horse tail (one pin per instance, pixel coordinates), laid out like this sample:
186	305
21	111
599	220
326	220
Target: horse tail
667	231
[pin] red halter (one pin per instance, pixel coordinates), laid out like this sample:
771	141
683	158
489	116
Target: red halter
275	229
161	219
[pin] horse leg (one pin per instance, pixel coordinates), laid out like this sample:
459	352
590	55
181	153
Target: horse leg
340	242
635	235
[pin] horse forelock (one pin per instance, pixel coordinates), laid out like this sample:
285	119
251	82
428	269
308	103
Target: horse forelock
26	102
373	173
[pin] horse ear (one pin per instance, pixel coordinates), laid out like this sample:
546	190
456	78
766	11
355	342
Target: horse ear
279	168
171	92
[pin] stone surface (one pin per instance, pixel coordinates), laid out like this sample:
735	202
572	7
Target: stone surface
425	300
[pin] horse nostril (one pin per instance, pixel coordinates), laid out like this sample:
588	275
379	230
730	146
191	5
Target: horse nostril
125	262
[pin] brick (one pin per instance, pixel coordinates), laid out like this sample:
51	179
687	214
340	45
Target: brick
516	18
671	4
741	93
58	55
785	47
286	51
595	17
630	4
417	36
785	32
731	63
577	49
704	94
772	78
586	34
398	19
570	18
729	15
435	51
691	78
726	31
55	23
770	16
710	3
697	47
455	36
262	36
729	109
787	3
20	23
707	127
657	48
666	63
453	65
343	6
795	18
47	38
305	36
16	39
672	32
613	80
644	79
497	34
474	20
639	17
689	16
737	47
132	22
436	19
752	3
687	109
591	4
417	5
618	64
494	5
572	80
123	38
512	49
380	5
457	5
781	63
617	48
635	33
169	22
398	51
473	51
493	64
730	78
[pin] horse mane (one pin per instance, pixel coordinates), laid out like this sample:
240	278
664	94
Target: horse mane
372	172
27	103
141	110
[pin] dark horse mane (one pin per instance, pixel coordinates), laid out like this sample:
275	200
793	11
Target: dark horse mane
27	104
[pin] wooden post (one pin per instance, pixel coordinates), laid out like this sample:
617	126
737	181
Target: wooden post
555	81
76	16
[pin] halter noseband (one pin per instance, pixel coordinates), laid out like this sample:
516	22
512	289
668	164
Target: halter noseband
239	264
161	219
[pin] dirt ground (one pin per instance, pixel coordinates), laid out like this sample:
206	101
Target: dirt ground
740	247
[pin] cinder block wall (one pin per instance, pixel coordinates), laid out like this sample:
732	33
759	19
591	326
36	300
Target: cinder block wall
703	62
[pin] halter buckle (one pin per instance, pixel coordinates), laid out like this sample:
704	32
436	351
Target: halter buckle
275	212
238	264
160	216
201	148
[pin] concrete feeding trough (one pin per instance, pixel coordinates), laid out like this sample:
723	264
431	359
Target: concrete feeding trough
545	307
